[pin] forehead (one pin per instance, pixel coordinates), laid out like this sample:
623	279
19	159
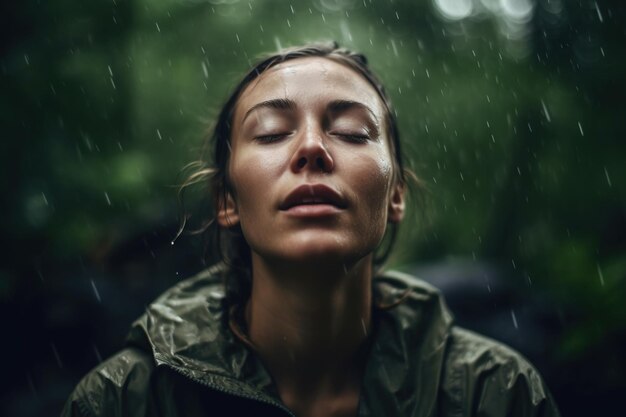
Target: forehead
311	80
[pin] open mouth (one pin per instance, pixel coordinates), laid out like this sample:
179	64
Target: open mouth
311	195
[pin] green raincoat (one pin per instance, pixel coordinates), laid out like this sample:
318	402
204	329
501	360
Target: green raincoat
182	359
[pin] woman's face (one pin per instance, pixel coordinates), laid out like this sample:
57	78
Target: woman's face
310	166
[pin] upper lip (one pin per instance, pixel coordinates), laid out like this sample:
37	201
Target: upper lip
312	194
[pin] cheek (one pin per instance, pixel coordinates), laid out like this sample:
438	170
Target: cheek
375	180
251	176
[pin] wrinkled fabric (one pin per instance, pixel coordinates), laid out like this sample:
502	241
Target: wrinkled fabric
182	359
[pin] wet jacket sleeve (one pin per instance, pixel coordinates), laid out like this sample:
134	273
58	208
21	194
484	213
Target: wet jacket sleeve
487	379
118	388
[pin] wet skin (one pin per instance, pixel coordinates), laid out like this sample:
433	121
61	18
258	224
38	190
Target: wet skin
311	165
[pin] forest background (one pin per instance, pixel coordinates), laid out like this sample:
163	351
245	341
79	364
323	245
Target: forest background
510	110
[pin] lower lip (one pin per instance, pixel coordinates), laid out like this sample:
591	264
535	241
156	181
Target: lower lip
312	210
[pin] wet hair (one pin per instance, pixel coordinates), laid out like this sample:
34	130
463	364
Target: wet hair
212	171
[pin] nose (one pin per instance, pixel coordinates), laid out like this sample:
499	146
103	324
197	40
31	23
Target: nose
312	153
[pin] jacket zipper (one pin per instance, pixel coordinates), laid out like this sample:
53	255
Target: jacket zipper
225	391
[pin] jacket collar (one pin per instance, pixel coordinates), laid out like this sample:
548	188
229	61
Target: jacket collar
187	330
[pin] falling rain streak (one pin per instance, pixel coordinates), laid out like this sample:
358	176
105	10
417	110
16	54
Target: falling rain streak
56	355
31	384
95	291
599	12
545	111
600	274
514	318
97	353
608	179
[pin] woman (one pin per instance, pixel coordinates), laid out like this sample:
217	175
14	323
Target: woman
298	320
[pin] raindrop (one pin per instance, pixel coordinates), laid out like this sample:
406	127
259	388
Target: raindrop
580	127
158	132
205	70
599	13
363	325
31	384
97	353
26	59
600	274
56	355
514	319
106	195
545	111
95	290
157	26
45	200
608	179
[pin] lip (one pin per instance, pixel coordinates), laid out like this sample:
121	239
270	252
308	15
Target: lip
313	199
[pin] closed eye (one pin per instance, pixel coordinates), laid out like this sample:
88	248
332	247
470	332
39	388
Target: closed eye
270	138
353	137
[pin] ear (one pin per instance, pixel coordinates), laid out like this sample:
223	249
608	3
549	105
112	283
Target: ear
227	214
396	204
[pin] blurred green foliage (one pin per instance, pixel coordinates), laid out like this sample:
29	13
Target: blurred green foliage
518	135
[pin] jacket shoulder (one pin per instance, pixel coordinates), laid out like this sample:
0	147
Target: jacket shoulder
484	377
117	387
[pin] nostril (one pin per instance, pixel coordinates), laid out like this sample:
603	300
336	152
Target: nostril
319	161
301	162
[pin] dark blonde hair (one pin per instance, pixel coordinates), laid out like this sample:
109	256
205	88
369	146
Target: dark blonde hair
212	171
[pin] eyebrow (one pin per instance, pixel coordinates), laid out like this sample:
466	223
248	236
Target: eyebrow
335	106
338	106
277	103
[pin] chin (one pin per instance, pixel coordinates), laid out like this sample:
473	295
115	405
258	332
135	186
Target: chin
324	250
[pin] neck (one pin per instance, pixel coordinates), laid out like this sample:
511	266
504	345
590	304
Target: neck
309	324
